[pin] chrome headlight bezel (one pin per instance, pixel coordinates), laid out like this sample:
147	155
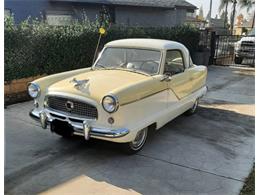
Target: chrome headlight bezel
110	103
34	90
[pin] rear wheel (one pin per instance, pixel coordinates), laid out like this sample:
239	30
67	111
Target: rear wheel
238	60
193	109
137	144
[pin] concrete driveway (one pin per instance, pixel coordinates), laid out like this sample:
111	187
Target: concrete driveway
210	152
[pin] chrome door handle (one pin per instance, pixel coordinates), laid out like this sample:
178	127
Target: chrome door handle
166	78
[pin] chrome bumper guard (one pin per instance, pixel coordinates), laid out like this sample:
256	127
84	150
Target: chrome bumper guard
81	126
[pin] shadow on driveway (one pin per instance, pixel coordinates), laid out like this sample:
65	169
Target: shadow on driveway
209	152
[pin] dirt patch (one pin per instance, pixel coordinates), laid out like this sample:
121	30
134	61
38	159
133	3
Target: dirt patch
249	185
16	98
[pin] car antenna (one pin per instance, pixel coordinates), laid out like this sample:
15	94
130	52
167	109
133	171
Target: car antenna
102	31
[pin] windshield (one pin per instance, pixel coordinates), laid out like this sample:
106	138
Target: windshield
140	60
252	33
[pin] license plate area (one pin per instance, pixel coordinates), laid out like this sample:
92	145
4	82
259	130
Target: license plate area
62	128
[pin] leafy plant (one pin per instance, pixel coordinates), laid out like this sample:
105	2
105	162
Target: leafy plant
33	47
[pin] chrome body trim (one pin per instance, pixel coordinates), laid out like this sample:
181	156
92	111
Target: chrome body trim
67	115
160	92
138	99
78	124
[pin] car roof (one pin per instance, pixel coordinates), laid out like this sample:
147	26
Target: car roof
147	43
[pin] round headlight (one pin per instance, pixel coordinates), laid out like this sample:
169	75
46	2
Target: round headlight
110	103
34	90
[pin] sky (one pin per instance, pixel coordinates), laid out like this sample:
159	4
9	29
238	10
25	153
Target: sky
215	5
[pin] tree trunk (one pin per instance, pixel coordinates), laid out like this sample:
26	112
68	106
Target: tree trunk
226	15
210	10
233	16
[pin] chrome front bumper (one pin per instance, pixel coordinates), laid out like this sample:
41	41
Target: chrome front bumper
81	126
245	54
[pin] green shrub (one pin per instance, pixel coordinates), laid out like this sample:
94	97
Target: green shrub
33	47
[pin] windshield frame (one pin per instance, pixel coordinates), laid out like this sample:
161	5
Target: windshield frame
251	33
130	70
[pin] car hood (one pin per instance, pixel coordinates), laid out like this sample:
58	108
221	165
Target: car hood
248	39
98	83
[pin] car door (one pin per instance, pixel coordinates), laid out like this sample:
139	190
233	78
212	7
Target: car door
180	84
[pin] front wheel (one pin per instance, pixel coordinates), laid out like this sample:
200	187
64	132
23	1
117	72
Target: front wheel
137	144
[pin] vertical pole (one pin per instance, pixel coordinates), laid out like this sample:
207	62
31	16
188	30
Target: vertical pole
94	58
210	10
212	47
253	22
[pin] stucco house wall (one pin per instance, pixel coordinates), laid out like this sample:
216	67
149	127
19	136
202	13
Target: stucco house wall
123	14
23	9
141	16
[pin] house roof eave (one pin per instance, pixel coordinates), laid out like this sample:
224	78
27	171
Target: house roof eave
167	5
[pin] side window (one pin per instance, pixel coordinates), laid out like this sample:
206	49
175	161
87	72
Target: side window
7	12
174	62
58	17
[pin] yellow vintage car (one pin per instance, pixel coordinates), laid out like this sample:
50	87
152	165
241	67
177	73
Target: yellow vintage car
134	87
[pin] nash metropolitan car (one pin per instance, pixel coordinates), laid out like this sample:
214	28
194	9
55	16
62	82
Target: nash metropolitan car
134	86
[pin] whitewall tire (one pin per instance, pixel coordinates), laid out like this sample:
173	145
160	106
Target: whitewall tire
194	108
138	143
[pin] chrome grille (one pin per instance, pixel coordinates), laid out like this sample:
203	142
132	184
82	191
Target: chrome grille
248	43
81	109
248	46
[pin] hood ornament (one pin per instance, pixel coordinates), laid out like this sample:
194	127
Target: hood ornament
78	83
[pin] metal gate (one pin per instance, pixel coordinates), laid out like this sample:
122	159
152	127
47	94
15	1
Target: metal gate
224	50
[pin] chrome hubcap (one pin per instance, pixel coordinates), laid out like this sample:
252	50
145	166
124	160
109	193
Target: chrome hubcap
195	106
139	139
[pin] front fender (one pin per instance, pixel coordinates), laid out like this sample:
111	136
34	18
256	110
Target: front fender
140	90
45	82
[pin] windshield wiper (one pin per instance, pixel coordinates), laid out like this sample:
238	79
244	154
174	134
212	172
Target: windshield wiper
133	70
100	65
105	67
123	69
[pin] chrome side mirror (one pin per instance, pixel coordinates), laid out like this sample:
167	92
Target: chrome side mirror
166	78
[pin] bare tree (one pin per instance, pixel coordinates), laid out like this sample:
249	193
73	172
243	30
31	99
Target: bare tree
248	4
201	15
233	14
224	6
